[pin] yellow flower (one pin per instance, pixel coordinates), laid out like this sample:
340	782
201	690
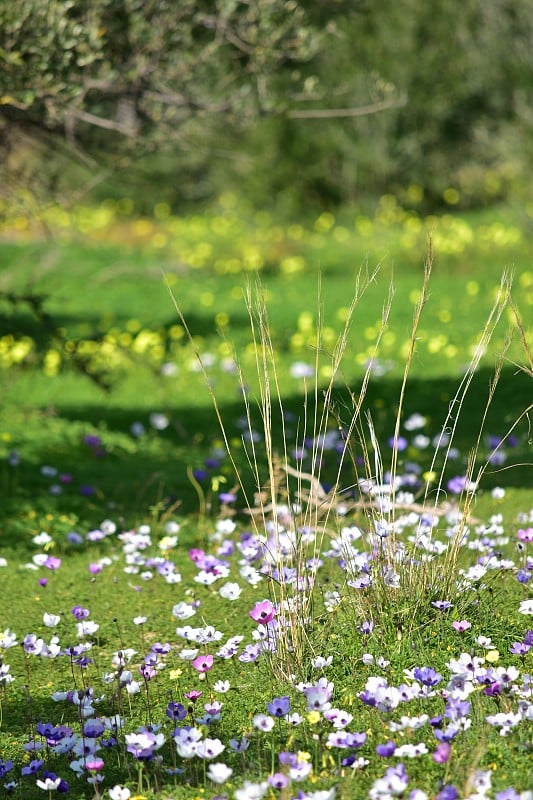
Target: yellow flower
174	674
492	656
313	717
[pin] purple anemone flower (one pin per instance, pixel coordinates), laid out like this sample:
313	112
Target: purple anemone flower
279	707
427	676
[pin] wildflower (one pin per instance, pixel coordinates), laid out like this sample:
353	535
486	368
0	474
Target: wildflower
461	626
525	534
193	695
119	793
299	369
188	653
263	722
239	746
5	677
482	782
51	620
337	739
427	676
32	746
250	654
355	739
203	663
398	443
32	645
393	784
319	695
279	706
183	610
219	772
442	753
411	750
366	628
49	784
94	764
448	792
86	628
210	748
187	741
338	717
278	780
300	771
386	750
230	591
442	605
414	422
519	648
213	709
294	719
504	721
143	745
160	648
355	763
263	612
33	767
159	421
321	663
251	791
7	639
227	497
526	607
6	766
287	759
176	711
93	728
221	687
459	484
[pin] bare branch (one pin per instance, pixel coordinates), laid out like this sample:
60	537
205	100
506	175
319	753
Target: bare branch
168	98
336	113
103	122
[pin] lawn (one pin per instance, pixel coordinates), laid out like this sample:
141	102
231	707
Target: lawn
364	634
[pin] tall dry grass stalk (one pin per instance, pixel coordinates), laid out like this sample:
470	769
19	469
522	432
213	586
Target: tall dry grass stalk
289	509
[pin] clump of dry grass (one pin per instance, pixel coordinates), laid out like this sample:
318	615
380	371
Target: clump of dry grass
289	508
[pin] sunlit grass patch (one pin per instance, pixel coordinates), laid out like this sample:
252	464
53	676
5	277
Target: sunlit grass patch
326	595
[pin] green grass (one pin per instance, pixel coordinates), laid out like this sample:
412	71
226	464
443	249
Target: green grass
115	302
108	314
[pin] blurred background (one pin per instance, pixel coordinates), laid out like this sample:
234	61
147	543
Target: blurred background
293	105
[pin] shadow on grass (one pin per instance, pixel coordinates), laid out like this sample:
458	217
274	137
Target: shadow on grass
126	478
22	318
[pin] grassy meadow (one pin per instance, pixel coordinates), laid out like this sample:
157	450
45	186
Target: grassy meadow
328	595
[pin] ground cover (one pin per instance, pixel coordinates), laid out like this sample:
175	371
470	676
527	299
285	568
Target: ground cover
124	526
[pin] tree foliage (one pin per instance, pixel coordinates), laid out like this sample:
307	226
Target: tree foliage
146	67
323	101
